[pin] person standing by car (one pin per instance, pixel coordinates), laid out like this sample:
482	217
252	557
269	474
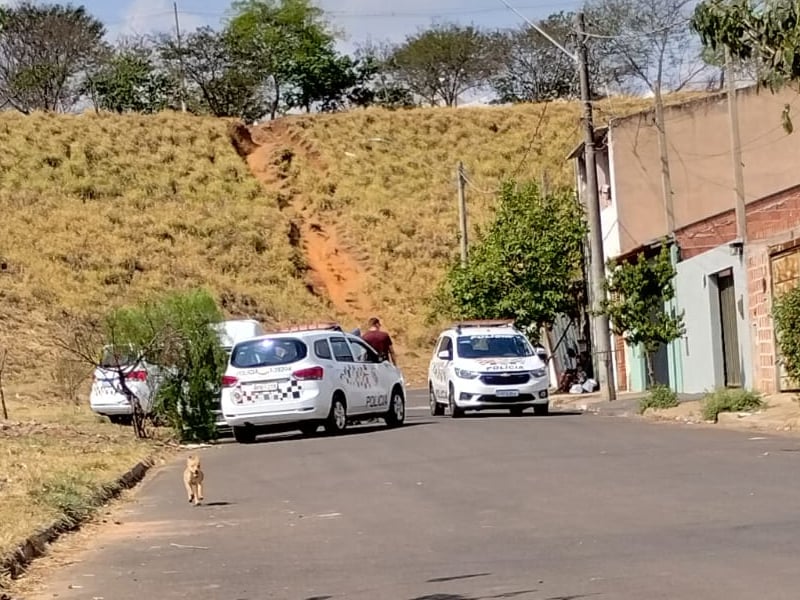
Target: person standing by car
380	340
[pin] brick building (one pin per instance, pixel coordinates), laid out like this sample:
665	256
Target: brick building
724	287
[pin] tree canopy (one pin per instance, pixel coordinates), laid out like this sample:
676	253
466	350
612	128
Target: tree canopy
527	264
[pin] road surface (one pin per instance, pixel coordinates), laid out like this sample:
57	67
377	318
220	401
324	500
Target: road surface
561	507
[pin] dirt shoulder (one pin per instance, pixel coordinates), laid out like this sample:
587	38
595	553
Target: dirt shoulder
58	464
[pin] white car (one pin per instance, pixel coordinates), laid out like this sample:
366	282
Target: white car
229	333
483	365
309	376
107	397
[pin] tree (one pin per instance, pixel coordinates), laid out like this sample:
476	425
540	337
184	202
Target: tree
44	50
786	313
275	38
224	85
636	297
647	42
532	69
130	81
444	62
764	34
376	81
320	76
526	266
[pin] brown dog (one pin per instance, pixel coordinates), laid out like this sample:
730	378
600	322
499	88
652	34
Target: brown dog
193	479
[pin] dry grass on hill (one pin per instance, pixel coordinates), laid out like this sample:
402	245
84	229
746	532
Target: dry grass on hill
102	210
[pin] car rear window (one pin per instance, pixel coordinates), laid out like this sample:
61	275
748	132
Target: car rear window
117	357
268	352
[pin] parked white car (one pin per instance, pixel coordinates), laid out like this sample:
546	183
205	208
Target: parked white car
309	376
482	365
107	397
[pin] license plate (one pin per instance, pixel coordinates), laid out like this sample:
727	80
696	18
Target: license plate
265	387
507	393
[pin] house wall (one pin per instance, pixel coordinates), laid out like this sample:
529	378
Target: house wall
698	135
773	223
698	297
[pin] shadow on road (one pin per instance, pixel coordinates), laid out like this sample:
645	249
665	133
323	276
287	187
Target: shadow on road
457	577
498	596
500	413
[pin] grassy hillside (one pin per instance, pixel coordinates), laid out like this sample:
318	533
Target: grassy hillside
347	215
100	210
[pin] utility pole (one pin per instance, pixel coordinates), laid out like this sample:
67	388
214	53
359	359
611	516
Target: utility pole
180	58
462	211
601	330
666	177
736	149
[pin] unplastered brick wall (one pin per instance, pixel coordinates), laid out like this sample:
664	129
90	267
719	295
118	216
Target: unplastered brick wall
767	218
762	339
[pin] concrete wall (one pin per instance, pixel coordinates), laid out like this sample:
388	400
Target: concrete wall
698	296
699	155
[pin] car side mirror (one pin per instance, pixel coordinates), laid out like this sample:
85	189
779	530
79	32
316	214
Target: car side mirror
444	355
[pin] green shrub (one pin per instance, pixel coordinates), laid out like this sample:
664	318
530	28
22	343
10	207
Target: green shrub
659	397
734	400
174	332
786	313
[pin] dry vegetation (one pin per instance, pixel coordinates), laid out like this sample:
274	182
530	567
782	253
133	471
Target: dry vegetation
54	459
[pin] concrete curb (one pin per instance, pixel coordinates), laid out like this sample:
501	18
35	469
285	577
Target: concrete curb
35	546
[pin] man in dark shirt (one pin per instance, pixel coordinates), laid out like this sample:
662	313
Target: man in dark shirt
380	340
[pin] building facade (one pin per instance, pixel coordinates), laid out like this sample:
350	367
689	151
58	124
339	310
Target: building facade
724	287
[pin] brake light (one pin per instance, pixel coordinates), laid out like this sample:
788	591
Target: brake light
136	376
312	373
229	381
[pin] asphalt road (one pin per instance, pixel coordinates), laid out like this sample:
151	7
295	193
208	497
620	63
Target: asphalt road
561	507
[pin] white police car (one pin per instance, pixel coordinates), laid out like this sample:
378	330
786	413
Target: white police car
479	365
308	376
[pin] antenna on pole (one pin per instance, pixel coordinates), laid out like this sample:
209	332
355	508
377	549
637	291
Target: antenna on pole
180	58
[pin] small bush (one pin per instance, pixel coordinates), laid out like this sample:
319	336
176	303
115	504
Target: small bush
724	400
786	313
660	397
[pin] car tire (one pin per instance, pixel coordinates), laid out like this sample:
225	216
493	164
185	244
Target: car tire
309	429
337	417
396	415
244	435
121	419
517	411
455	411
437	409
541	410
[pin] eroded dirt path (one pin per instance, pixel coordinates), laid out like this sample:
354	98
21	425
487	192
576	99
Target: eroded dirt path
333	271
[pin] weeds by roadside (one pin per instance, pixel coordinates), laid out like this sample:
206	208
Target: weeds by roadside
730	400
660	397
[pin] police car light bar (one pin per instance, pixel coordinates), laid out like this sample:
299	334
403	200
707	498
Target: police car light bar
323	326
485	323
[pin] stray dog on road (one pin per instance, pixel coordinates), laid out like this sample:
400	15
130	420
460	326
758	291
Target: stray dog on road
193	479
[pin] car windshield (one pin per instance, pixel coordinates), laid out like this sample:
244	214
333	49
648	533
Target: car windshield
493	346
268	352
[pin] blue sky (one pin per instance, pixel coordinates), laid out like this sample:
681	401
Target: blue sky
360	19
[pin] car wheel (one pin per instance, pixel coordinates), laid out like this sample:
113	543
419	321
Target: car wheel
337	417
517	411
397	409
455	411
309	429
541	410
437	410
244	435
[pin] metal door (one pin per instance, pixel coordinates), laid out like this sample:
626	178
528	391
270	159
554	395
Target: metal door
731	360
